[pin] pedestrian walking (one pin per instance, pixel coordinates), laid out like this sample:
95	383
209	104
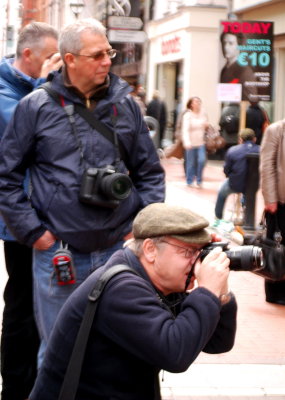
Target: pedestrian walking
156	108
194	124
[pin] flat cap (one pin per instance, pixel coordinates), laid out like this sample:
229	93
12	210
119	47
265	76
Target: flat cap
161	219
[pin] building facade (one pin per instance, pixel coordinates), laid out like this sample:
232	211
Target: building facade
183	58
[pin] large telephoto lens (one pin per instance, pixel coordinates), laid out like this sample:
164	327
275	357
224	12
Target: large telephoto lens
116	186
245	258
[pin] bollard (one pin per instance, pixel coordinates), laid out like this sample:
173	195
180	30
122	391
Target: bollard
252	185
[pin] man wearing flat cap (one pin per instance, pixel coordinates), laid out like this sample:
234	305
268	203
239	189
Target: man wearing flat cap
158	318
235	169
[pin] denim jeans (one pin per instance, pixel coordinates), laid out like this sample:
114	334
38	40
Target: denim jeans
49	297
195	162
224	192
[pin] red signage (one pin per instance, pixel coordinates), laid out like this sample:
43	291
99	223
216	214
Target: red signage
171	45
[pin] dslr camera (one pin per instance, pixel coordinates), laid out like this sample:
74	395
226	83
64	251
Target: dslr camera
242	258
104	187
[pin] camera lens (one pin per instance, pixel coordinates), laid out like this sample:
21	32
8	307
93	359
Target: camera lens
116	186
245	258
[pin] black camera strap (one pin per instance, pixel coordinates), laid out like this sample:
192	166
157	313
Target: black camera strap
86	114
72	375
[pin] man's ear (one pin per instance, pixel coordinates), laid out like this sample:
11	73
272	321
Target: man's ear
149	250
69	59
26	53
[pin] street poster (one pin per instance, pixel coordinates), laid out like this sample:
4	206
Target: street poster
246	58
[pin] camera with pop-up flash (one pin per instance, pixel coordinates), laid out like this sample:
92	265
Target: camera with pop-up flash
104	187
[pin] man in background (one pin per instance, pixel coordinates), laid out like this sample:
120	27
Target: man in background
257	119
235	169
36	55
156	108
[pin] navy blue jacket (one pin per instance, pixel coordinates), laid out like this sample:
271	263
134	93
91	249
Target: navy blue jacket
235	166
40	137
13	87
133	336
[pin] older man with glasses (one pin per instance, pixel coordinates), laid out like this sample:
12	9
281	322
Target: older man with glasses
157	318
92	163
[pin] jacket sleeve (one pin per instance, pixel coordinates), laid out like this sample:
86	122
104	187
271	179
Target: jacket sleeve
223	337
15	155
133	317
228	164
142	161
268	163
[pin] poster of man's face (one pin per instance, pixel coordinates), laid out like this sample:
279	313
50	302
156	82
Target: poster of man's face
246	57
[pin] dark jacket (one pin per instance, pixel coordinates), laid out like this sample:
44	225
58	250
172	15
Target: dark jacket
235	167
157	109
133	336
13	87
40	137
255	118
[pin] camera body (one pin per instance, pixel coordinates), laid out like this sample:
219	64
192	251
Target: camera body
104	187
242	258
63	266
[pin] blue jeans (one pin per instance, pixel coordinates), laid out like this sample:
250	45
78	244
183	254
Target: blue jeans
224	192
49	297
195	162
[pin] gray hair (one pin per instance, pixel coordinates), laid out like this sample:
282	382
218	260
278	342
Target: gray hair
136	245
32	36
70	37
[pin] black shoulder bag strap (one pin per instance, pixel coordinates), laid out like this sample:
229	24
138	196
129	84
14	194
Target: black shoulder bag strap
89	117
71	379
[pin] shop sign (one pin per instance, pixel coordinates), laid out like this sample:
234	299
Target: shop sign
171	45
119	22
126	36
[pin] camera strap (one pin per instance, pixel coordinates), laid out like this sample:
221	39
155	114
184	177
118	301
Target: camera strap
72	375
105	131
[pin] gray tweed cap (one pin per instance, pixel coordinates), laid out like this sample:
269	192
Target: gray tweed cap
161	219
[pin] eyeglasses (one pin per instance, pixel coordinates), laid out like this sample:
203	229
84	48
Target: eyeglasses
187	252
100	55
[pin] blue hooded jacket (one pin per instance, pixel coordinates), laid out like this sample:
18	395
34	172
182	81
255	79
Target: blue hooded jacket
40	138
13	87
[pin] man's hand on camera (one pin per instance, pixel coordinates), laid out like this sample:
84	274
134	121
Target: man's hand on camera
213	272
51	64
46	241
